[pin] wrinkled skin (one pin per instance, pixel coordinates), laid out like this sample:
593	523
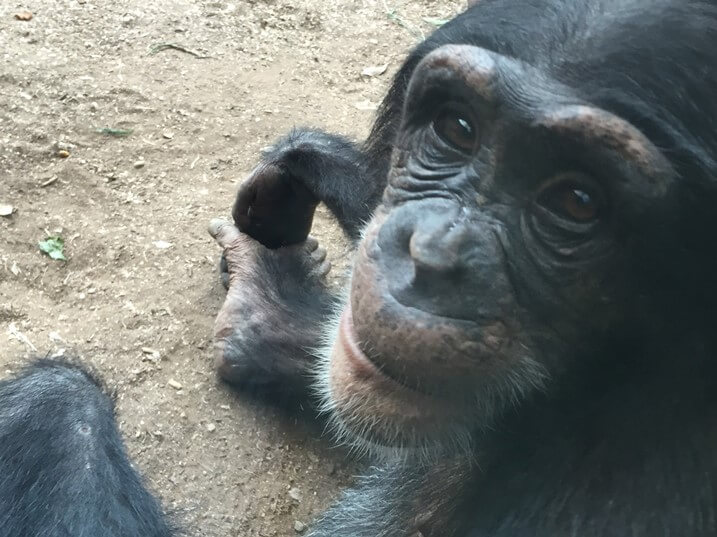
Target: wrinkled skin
250	307
533	224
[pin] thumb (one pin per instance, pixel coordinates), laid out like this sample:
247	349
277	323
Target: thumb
225	233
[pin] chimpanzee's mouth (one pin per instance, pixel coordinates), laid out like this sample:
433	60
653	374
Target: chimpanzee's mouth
373	407
347	340
364	366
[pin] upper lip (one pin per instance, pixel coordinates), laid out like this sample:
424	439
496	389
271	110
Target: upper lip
436	316
412	311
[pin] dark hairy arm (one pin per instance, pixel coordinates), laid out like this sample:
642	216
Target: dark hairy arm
276	204
401	500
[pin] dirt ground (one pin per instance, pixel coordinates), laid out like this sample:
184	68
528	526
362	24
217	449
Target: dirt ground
137	296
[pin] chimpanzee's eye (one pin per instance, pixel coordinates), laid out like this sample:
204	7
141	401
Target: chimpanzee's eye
570	197
456	128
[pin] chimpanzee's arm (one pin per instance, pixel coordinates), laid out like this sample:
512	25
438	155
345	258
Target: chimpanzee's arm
63	467
400	501
275	205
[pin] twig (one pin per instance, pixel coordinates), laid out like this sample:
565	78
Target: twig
159	47
110	131
15	333
49	181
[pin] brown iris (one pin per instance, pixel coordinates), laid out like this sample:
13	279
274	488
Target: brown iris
456	128
571	200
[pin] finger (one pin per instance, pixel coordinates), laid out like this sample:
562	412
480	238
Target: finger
311	243
225	233
318	255
245	199
225	279
324	269
307	246
224	271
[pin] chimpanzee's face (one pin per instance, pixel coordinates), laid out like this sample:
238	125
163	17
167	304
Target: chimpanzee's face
504	248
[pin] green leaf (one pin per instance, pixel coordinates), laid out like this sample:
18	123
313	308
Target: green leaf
53	246
120	133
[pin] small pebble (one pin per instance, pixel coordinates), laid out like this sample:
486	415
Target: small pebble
295	494
299	527
211	427
139	164
174	384
63	153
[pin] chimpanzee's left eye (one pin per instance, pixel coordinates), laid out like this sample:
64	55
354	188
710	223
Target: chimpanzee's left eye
572	198
456	128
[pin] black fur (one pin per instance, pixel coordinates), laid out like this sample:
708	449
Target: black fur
64	471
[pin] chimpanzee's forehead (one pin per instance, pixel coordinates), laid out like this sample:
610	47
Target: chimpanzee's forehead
574	38
648	62
534	30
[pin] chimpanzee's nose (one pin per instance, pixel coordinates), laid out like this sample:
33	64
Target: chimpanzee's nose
437	244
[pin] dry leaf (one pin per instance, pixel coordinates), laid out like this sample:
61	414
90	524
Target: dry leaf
435	21
23	16
366	105
375	71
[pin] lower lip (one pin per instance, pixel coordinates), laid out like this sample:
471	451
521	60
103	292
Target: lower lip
347	343
356	380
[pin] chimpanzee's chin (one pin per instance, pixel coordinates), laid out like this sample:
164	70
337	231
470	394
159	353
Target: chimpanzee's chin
374	412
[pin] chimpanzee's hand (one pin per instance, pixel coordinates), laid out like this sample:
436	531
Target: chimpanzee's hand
274	207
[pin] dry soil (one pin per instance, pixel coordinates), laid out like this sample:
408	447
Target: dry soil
137	296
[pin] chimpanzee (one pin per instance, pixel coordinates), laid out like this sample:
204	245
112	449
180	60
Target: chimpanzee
527	343
529	338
